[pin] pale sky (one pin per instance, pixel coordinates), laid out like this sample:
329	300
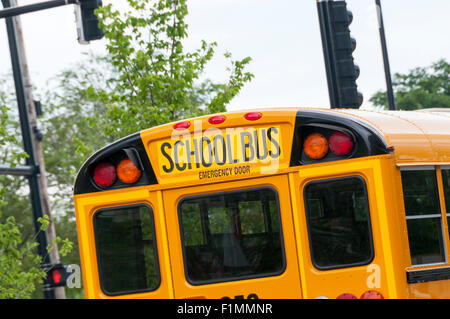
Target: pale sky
281	36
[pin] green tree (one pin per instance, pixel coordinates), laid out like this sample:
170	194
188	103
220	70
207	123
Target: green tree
20	273
158	82
422	87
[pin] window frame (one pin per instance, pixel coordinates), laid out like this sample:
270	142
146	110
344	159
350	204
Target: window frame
240	278
444	209
441	205
155	248
369	221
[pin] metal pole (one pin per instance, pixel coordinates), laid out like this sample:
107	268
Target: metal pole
327	45
10	12
33	179
16	171
387	71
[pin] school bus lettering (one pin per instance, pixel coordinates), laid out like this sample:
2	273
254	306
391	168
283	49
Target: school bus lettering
245	145
221	172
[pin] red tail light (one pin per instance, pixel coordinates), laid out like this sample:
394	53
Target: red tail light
372	294
105	174
182	125
216	119
346	296
253	116
341	144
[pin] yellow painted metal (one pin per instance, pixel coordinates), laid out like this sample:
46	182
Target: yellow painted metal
418	139
285	285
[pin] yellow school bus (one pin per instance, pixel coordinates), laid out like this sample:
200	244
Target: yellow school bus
270	203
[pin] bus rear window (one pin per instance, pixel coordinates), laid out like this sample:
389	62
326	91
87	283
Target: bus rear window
231	236
338	222
126	249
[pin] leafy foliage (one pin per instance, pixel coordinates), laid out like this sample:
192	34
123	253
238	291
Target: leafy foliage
423	87
158	82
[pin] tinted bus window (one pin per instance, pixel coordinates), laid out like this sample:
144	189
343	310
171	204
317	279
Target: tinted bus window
338	222
231	236
126	249
423	216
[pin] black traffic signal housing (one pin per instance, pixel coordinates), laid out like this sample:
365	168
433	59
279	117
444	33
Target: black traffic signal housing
338	47
57	275
87	21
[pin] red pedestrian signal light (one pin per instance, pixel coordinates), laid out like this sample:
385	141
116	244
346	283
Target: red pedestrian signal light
57	275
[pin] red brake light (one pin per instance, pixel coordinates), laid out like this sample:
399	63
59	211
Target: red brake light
346	296
253	116
340	143
372	294
182	125
216	119
105	174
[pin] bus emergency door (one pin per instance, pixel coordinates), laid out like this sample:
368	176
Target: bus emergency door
343	235
233	240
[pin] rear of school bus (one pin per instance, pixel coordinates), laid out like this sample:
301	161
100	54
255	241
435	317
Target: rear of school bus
285	203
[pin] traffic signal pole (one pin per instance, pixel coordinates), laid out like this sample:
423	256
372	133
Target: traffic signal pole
387	69
34	169
338	47
14	11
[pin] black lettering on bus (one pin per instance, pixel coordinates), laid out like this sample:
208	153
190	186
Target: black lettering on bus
177	160
188	154
216	148
196	153
202	150
274	142
230	153
257	146
170	169
247	146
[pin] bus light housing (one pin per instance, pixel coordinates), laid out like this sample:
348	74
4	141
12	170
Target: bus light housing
341	144
252	116
182	125
316	146
105	174
372	294
218	119
346	296
128	172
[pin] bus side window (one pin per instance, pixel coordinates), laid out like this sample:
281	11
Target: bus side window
423	216
126	249
338	221
231	236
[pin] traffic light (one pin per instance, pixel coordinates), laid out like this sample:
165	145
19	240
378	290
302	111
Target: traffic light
57	275
338	47
87	21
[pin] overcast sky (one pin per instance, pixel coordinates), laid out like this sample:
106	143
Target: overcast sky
281	36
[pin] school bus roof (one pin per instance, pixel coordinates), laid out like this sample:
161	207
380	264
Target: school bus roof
418	137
